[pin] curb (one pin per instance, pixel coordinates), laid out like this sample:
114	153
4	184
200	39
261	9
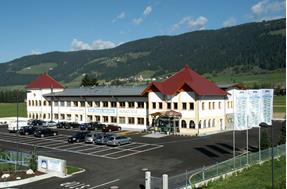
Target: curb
81	171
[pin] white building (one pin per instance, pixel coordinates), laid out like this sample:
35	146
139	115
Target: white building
185	103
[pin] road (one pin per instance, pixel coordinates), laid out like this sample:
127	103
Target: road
168	155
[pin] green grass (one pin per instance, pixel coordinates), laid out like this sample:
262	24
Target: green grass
37	69
279	104
256	177
71	170
279	32
10	110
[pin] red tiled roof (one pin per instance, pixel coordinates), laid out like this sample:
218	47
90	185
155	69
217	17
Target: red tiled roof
187	78
44	81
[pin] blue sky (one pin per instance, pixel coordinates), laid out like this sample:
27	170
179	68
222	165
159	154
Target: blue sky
33	26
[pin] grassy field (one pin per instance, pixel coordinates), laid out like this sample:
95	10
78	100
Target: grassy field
256	177
38	69
10	110
279	104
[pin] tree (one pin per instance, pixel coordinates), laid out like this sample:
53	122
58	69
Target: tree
89	81
33	160
265	142
283	133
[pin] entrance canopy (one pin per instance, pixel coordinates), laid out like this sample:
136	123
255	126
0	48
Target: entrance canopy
170	113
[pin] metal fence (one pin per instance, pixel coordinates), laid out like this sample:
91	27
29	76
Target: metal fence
11	160
190	178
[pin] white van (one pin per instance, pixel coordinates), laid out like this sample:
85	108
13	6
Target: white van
12	126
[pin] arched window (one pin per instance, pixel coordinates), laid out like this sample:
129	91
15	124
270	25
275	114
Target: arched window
213	123
209	105
209	123
44	116
183	124
199	124
191	124
33	116
202	106
29	102
213	105
204	124
219	105
32	102
40	103
44	103
36	103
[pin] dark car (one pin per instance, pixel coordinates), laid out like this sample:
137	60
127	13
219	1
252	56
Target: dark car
110	128
37	122
103	138
70	125
27	130
84	126
61	124
95	126
43	132
78	137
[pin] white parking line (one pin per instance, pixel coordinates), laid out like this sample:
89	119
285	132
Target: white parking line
116	180
56	145
75	147
95	147
160	146
44	142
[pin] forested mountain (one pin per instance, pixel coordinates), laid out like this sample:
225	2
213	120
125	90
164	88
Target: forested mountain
258	45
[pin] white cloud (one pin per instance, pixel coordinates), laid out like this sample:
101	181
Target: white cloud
122	15
137	21
99	44
266	7
147	11
190	23
35	52
229	22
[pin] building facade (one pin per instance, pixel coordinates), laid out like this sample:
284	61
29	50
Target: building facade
186	103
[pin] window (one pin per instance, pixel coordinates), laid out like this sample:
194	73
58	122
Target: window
191	124
81	117
44	116
29	103
168	105
97	104
183	124
113	104
213	105
140	121
62	116
32	102
153	105
39	103
122	120
105	118
56	116
69	116
202	107
184	106
160	105
131	104
213	123
89	104
55	103
219	105
98	118
105	104
68	103
209	105
62	103
199	124
209	124
131	120
175	105
122	104
113	119
204	124
75	103
36	102
45	103
231	104
140	104
82	103
191	106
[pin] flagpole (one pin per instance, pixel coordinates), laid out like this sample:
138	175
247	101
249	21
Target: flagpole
233	103
247	142
259	142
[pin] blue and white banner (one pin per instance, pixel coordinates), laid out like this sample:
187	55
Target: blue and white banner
267	105
254	108
240	109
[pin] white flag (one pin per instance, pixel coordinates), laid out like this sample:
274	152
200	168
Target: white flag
267	105
240	109
254	108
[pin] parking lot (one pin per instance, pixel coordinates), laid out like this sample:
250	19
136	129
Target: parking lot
59	142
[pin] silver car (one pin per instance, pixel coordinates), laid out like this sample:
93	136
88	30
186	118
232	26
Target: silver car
103	138
91	137
118	140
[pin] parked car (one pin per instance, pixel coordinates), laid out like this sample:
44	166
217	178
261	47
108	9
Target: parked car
27	130
95	126
103	138
50	124
43	132
110	128
84	126
71	125
36	122
61	124
91	137
78	137
118	140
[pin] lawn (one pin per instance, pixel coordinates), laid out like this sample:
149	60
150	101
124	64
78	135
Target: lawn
279	104
256	177
71	170
10	110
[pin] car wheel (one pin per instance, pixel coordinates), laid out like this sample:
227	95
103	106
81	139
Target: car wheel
130	141
78	140
26	133
42	135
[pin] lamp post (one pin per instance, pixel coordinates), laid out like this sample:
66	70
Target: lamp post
263	124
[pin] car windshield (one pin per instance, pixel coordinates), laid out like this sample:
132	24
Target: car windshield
89	135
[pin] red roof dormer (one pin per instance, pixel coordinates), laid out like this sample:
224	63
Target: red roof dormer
186	79
45	81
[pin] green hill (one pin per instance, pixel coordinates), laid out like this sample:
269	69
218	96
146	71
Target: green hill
253	47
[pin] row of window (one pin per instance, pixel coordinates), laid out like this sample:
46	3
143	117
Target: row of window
211	105
174	105
229	104
202	124
79	117
105	104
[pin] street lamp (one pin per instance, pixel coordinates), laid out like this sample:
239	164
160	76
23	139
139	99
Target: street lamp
263	124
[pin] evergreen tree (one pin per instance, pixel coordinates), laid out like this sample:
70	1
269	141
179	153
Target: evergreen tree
265	142
88	81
